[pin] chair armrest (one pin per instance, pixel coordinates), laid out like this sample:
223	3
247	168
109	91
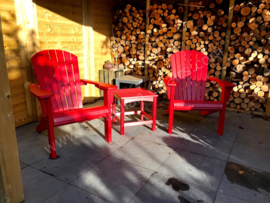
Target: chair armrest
222	83
169	82
100	85
40	94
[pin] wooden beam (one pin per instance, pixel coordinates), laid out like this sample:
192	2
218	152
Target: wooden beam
184	26
29	45
89	54
146	38
227	39
11	189
267	111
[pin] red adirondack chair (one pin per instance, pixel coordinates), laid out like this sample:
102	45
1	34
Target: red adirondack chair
186	89
60	94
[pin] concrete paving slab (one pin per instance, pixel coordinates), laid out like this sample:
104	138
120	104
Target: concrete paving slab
143	153
72	162
33	149
162	188
252	156
71	194
162	137
26	131
245	183
222	198
206	145
113	180
22	165
39	186
256	124
253	137
193	168
208	127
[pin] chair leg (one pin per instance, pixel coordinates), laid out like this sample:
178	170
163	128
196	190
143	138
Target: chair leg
114	110
51	138
221	122
171	110
108	128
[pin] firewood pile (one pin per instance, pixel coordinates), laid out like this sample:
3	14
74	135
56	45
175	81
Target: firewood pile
164	30
128	40
248	59
206	32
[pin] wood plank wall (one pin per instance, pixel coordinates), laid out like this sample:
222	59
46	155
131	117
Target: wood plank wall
60	27
102	20
13	61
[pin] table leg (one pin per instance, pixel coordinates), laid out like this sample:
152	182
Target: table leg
114	110
154	110
122	117
142	109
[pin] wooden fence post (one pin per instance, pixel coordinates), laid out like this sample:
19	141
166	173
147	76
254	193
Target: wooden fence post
29	44
146	39
185	25
227	40
11	189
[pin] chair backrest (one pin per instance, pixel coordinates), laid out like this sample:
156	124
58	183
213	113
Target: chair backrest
58	72
189	69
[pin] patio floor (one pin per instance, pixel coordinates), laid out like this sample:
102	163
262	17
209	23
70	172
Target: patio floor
193	164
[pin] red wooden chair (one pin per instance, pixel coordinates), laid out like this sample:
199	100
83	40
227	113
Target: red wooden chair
60	94
186	89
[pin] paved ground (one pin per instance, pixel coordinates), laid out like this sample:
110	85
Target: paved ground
193	164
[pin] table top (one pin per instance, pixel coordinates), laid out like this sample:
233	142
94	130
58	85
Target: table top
134	93
132	78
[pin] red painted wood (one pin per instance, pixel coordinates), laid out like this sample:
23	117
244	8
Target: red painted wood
183	70
190	87
194	71
204	75
41	94
142	109
60	94
134	93
154	112
199	75
77	79
188	74
122	117
51	75
71	81
197	105
51	130
58	78
100	85
63	71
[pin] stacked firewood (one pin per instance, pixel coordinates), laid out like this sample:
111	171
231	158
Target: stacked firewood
248	59
128	40
165	38
206	32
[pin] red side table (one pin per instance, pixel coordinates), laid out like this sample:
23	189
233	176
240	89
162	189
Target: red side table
132	95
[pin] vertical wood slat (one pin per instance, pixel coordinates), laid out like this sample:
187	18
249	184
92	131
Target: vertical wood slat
77	79
183	73
204	74
101	79
227	40
51	74
174	75
11	188
194	71
58	78
188	75
178	75
69	69
199	74
63	71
